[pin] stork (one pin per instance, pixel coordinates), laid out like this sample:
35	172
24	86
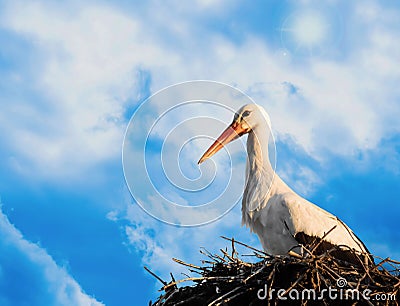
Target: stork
283	220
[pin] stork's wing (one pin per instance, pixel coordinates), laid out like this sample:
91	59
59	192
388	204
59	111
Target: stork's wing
320	246
316	228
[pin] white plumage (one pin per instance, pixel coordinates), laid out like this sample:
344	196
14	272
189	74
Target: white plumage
283	220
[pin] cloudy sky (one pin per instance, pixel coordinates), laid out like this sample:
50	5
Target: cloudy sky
73	74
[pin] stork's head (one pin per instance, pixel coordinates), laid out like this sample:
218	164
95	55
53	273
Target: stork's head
246	119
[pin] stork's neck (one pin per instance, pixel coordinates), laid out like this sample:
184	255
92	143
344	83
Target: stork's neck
260	174
257	152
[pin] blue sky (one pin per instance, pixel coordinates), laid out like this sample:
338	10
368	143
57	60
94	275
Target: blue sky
72	75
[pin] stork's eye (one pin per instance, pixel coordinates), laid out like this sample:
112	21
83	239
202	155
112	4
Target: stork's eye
245	113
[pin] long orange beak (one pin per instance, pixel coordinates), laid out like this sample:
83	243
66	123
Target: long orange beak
232	132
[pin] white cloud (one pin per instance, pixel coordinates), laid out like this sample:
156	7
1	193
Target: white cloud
302	179
87	71
49	279
158	243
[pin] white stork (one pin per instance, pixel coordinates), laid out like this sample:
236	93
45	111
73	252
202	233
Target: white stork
283	220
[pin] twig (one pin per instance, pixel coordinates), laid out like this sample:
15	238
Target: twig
156	276
181	262
322	239
247	246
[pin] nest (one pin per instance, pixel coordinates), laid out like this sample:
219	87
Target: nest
225	279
